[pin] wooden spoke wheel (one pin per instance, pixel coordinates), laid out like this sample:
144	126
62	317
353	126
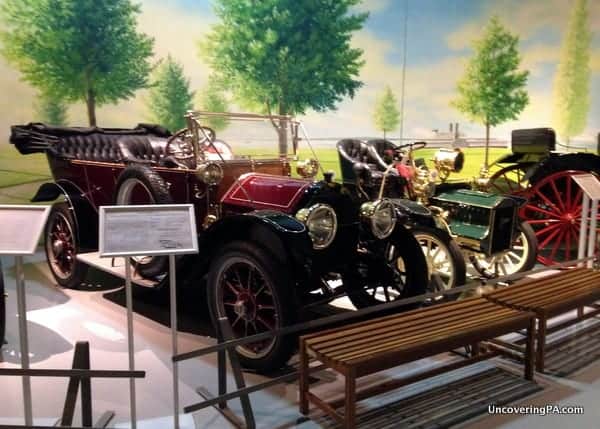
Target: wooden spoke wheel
510	180
554	212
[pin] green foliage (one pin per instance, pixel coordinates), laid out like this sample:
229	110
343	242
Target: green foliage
170	95
213	99
386	114
572	81
51	110
492	91
77	49
286	56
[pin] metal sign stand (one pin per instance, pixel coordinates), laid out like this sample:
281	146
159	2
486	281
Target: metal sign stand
130	343
590	185
23	339
21	229
161	236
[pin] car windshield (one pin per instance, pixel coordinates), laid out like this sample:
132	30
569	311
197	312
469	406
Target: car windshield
242	136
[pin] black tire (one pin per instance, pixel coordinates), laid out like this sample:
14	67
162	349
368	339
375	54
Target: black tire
2	307
141	178
521	257
268	273
396	265
439	248
62	247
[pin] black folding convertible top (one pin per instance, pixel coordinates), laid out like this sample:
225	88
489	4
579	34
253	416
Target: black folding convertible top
37	137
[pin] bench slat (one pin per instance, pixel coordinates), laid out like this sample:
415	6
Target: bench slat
461	330
445	310
405	329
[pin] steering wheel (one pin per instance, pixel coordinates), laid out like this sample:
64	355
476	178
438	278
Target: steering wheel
412	146
179	146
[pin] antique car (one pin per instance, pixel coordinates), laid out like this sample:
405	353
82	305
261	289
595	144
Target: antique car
451	222
541	169
271	245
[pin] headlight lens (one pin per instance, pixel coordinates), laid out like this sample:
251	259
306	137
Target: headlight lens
381	215
210	173
321	221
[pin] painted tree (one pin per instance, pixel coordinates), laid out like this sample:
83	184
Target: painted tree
50	110
213	99
86	50
493	89
572	80
286	56
386	115
170	95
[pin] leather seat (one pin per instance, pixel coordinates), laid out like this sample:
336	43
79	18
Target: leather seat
379	149
354	159
94	147
142	149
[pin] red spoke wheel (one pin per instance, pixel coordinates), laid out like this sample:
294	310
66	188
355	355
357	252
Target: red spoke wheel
510	180
62	247
252	289
554	213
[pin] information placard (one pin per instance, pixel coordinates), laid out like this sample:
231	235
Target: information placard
20	228
147	230
589	184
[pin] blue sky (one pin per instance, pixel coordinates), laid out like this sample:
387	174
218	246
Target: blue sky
439	40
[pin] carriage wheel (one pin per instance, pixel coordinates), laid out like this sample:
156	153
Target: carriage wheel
510	180
554	212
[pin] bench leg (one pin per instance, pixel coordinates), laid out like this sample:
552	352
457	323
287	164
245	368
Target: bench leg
541	344
529	351
303	382
350	402
580	313
475	349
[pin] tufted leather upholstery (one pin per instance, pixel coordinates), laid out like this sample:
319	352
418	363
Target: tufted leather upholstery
142	149
93	147
377	152
112	148
354	157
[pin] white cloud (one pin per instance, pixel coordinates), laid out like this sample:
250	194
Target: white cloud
372	5
525	18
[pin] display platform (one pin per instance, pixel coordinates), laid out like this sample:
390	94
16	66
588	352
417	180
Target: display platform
95	312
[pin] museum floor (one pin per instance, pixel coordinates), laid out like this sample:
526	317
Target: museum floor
59	318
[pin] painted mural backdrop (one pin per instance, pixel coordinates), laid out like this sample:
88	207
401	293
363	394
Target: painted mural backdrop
158	58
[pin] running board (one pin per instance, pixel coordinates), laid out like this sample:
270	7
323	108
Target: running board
114	266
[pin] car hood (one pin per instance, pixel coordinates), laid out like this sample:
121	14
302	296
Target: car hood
266	192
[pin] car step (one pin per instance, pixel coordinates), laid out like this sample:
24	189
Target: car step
114	266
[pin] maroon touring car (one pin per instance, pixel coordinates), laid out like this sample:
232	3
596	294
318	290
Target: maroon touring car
271	245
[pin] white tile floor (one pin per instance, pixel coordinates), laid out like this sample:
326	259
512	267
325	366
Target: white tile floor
57	318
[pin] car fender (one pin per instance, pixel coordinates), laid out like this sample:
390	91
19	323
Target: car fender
567	161
415	213
84	214
282	235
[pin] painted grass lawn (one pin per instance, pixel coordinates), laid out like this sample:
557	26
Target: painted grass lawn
20	175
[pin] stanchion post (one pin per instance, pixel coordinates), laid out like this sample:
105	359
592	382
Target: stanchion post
592	237
583	228
173	299
131	351
23	339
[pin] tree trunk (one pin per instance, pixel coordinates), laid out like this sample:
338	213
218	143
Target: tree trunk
384	134
282	131
486	161
90	100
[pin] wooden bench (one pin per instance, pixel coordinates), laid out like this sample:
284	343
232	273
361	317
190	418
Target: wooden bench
368	347
552	296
